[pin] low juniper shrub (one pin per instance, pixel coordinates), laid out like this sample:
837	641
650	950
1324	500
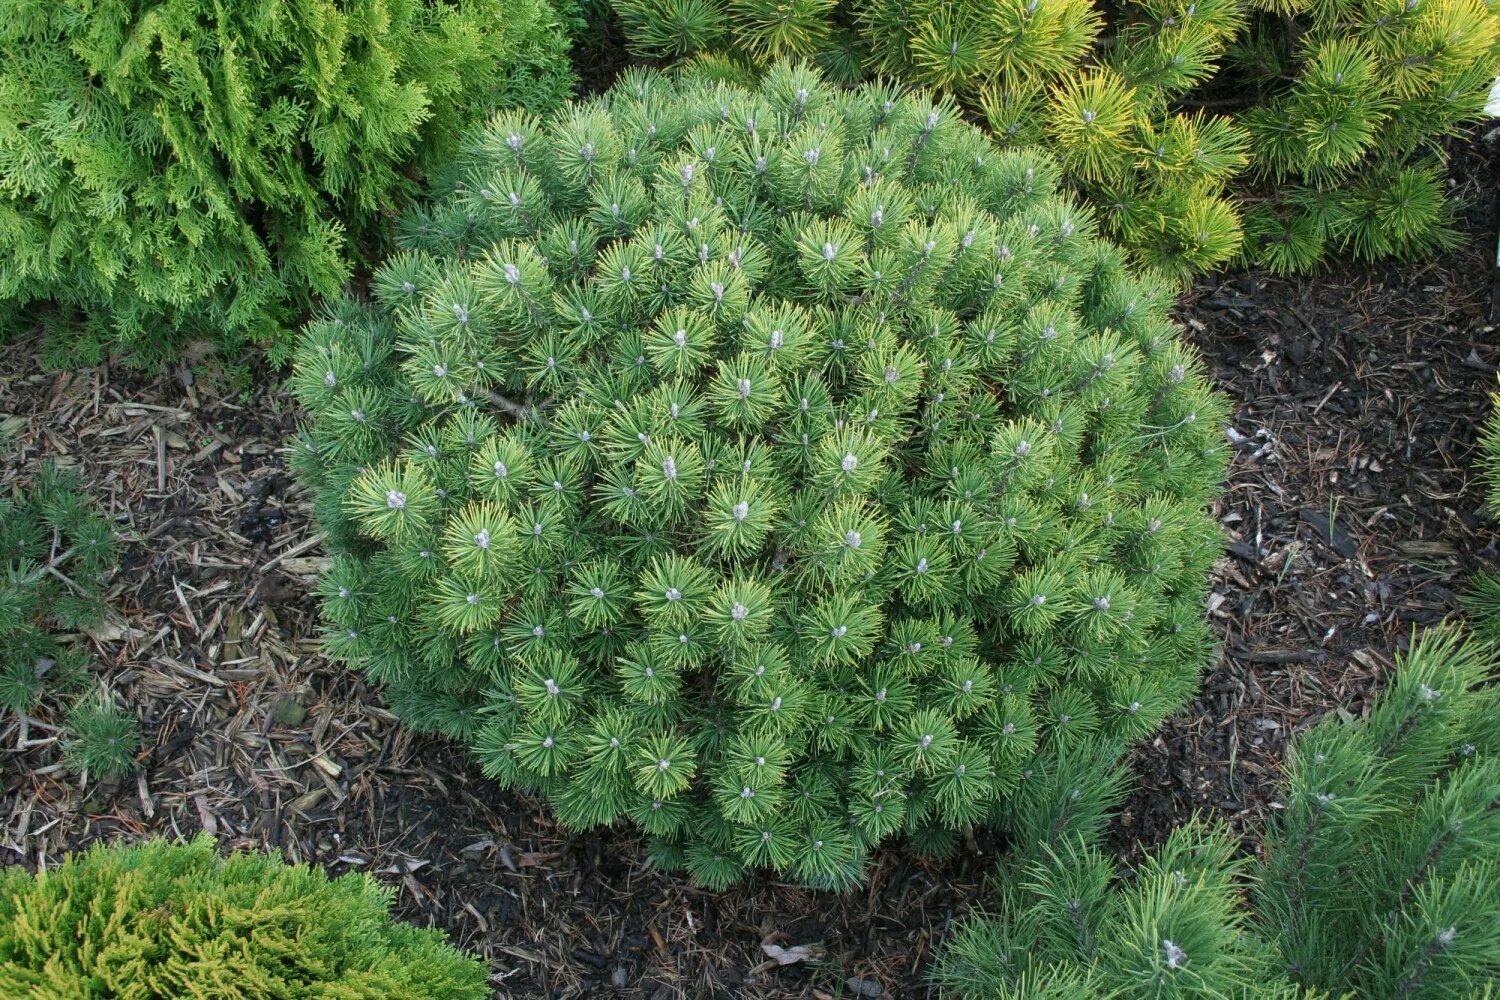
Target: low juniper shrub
161	921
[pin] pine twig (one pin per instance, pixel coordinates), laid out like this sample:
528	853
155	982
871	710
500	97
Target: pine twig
521	411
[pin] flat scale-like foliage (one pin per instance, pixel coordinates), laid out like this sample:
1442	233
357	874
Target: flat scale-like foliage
159	920
780	470
182	170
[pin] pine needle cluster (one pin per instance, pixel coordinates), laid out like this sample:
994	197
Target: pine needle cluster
56	552
1488	463
1046	73
1382	871
1097	85
1068	926
1350	102
102	738
160	920
1330	111
1482	601
1379	875
780	470
191	170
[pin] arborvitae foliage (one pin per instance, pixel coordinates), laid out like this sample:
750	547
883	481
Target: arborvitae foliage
1337	105
1379	876
56	550
185	169
1348	103
160	920
779	470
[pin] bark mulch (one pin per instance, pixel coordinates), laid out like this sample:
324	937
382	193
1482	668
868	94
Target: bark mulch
1352	512
1351	515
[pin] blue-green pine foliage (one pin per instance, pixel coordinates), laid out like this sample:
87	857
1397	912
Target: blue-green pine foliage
1068	925
1379	874
56	551
1382	869
1482	601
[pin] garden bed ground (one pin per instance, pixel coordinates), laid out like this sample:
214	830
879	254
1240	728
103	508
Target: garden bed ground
1351	517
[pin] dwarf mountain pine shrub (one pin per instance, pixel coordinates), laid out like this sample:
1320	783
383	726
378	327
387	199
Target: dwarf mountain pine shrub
1348	106
1046	73
1379	876
184	169
1336	109
160	920
780	470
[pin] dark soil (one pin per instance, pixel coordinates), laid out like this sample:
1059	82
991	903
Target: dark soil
1351	515
599	56
1352	511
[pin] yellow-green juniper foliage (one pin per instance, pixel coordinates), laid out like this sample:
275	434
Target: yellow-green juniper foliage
159	920
780	470
183	169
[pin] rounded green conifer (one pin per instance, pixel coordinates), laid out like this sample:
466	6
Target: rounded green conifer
780	470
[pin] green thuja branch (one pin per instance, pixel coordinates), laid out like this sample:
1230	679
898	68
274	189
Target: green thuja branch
184	170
